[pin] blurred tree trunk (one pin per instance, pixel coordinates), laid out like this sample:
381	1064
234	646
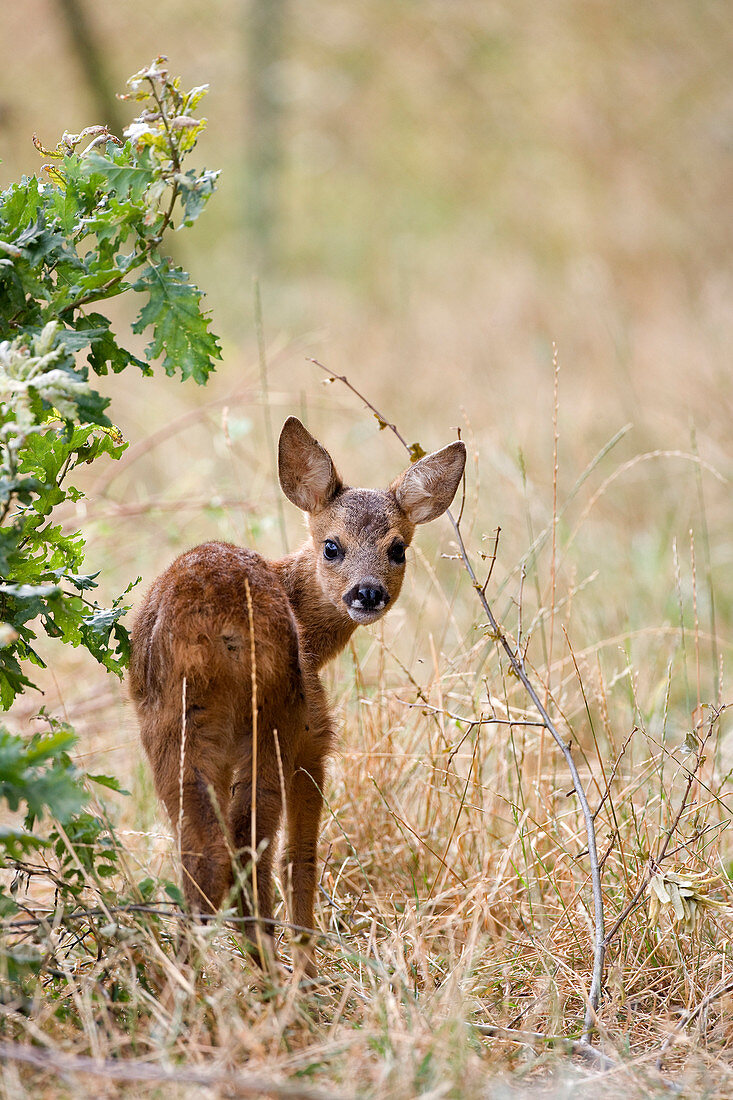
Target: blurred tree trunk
89	56
264	30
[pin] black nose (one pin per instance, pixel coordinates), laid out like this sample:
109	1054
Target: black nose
367	596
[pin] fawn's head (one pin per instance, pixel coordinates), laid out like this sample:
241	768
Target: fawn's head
360	535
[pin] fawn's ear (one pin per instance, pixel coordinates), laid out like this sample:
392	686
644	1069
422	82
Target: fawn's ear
427	488
307	474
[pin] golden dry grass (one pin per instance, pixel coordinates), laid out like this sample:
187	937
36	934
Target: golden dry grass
455	886
493	179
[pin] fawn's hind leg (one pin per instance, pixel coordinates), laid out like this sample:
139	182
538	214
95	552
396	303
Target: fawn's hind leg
258	823
205	854
195	789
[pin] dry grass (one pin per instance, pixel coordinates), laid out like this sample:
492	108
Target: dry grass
492	179
454	904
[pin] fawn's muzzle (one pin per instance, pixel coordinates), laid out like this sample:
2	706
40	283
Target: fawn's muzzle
367	600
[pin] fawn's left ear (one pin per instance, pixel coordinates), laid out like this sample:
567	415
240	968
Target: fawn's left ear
307	474
426	489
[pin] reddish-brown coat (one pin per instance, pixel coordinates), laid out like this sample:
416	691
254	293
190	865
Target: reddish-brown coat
192	640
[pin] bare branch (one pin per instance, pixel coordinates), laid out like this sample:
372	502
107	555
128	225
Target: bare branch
518	667
116	1069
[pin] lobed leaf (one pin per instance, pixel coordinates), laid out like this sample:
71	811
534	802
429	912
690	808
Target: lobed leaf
180	330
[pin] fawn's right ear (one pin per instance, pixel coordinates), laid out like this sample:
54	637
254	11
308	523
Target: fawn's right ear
307	474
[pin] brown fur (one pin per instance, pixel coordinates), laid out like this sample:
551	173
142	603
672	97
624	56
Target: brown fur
193	630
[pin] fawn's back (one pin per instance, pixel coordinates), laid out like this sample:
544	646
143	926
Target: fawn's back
196	629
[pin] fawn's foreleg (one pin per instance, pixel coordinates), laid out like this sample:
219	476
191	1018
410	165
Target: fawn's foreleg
303	825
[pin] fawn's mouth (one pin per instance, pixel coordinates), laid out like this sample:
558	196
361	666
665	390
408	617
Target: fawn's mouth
363	617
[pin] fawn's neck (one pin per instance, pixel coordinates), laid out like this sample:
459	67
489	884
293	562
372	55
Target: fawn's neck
324	628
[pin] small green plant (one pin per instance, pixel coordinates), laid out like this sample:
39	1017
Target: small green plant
35	776
92	231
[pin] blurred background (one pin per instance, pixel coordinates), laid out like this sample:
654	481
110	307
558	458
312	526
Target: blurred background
431	196
462	206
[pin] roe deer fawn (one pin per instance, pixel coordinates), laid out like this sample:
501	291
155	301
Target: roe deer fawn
238	641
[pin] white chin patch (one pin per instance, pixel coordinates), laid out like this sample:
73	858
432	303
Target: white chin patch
359	615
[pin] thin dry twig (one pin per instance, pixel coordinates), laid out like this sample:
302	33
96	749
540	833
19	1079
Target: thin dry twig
181	769
518	667
240	1084
537	1039
167	910
720	990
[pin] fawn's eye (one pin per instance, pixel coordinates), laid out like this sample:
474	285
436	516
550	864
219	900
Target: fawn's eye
396	552
331	550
